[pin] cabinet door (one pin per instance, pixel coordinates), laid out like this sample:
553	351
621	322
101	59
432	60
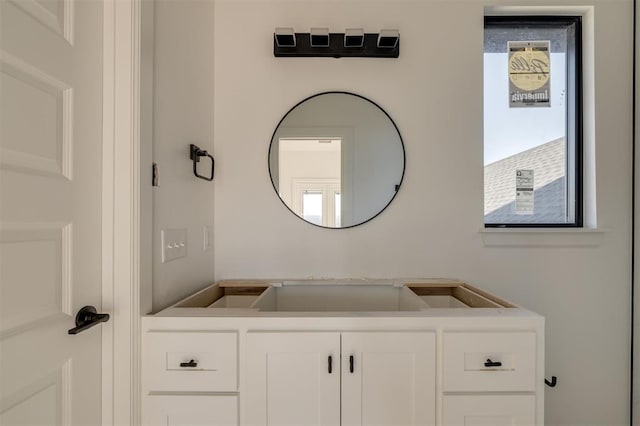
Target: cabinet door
190	410
392	381
489	410
289	381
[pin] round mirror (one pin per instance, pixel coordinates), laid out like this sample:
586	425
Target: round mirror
336	160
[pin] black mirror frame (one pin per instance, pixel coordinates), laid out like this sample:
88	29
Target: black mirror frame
404	157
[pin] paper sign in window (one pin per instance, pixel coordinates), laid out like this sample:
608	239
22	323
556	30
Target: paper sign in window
529	74
524	191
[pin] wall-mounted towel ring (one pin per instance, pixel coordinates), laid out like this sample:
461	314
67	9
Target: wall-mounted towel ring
195	153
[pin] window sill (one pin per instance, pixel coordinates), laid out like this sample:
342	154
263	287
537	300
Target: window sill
542	237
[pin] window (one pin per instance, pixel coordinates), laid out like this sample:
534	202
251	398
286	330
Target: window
532	121
317	201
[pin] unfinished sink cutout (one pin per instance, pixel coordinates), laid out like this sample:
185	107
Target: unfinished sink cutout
339	296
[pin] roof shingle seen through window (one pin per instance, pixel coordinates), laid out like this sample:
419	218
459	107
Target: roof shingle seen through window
548	163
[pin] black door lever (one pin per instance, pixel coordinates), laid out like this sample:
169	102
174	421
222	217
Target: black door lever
86	318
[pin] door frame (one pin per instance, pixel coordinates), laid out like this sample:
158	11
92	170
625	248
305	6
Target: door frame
634	391
121	212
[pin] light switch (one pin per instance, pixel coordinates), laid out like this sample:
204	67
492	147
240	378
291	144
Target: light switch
174	244
207	238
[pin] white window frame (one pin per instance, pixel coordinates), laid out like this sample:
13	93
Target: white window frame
327	187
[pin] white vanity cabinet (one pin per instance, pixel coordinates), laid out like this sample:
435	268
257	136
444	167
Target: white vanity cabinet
478	362
418	353
190	378
490	410
349	378
190	410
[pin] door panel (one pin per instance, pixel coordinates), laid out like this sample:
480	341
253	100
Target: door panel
39	293
392	382
288	379
50	209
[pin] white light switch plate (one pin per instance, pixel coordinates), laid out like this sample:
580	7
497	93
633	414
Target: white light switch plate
174	244
207	237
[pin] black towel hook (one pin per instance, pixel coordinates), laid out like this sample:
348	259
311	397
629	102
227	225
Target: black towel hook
552	383
195	153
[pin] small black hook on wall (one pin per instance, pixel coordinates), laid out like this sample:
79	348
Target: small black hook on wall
552	383
194	154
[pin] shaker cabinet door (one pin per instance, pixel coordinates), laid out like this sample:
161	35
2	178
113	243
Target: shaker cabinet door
293	379
388	378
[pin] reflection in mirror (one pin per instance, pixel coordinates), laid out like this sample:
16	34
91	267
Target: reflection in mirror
336	160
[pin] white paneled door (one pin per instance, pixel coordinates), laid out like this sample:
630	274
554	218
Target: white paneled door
50	210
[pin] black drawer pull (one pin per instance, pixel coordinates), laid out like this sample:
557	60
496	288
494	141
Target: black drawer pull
490	363
351	362
330	361
190	364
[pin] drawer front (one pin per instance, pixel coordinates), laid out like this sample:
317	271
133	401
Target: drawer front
491	361
485	410
190	410
214	367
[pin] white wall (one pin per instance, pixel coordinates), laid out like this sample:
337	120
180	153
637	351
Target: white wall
434	93
183	114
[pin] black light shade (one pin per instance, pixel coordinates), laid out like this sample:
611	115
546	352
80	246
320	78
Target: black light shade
388	39
319	37
354	37
285	37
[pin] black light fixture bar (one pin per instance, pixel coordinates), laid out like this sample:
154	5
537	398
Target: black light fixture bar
336	48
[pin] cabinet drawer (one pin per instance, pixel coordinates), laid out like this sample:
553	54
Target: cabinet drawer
190	410
494	410
513	355
214	366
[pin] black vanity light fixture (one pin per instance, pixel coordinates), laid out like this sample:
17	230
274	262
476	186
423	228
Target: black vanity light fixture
319	42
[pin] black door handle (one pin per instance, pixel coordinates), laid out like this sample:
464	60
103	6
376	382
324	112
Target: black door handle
351	362
330	361
86	318
191	364
490	363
